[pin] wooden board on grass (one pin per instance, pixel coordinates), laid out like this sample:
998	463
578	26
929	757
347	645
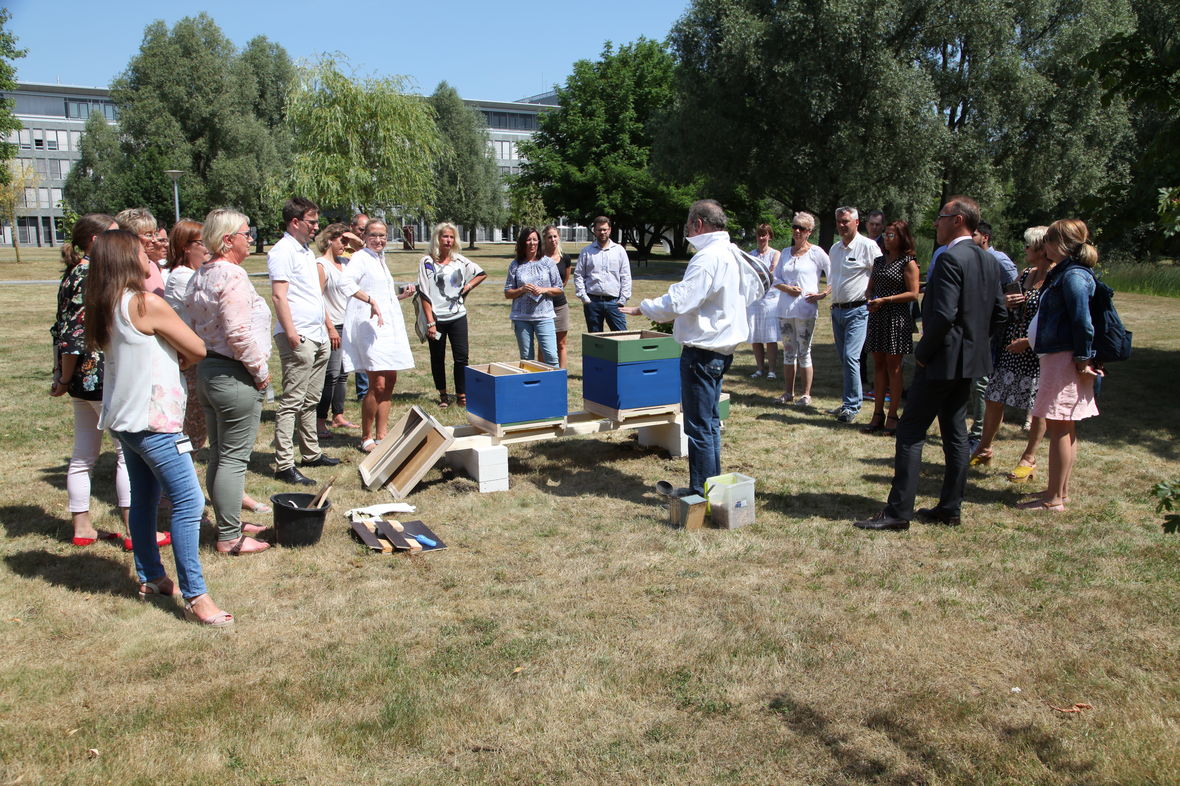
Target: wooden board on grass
411	448
623	415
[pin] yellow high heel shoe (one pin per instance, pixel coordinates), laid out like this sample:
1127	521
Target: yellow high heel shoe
1021	473
980	457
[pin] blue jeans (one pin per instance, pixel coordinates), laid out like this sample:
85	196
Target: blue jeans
848	329
546	337
597	310
701	372
153	463
362	384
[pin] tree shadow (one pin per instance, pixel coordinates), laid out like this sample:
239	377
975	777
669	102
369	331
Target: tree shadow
102	478
80	571
830	505
1136	396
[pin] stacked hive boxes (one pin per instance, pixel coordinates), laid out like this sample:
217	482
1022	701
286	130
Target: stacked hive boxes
517	392
629	369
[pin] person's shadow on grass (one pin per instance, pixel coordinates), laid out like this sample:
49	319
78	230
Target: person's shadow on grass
83	571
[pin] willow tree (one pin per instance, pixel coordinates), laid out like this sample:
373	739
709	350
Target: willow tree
363	143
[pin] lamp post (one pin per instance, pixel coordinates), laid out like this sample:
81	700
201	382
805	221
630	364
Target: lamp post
175	175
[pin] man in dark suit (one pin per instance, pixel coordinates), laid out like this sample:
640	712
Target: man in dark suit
962	309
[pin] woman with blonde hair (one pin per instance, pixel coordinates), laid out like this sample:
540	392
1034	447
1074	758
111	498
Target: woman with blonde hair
445	279
1017	374
551	248
146	345
375	338
333	243
797	278
232	320
1062	335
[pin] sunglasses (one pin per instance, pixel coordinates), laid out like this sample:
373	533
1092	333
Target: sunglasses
798	228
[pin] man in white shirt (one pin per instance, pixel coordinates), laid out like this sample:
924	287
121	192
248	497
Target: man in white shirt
301	333
708	307
852	263
602	279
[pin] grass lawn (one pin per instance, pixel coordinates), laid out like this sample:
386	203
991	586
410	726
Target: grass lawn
568	635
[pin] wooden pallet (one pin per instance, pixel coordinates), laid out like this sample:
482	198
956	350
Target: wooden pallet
518	432
623	416
411	448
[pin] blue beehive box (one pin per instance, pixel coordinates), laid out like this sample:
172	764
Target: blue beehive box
649	383
518	392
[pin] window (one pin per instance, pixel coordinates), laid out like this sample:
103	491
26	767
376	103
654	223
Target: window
41	167
63	141
43	197
75	140
78	109
110	112
38	139
55	197
26	139
30	197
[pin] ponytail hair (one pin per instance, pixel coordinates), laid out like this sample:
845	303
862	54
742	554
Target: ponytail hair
1071	238
85	230
114	269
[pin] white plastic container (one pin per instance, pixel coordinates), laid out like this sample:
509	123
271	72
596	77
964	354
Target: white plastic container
731	500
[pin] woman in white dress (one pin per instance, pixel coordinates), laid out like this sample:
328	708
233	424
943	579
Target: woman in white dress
763	312
374	332
797	278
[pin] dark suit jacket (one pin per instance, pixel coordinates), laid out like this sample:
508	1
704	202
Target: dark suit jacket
962	309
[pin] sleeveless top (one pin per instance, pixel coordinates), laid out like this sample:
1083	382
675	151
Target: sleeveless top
142	386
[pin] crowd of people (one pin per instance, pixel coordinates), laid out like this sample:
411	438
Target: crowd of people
161	339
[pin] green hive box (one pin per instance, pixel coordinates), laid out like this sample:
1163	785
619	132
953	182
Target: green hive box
630	346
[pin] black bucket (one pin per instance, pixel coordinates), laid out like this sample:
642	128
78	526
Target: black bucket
296	525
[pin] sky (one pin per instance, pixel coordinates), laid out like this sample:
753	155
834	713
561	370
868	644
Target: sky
491	50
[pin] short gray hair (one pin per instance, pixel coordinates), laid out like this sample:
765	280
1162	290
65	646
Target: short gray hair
1034	237
850	210
710	212
137	220
804	219
218	224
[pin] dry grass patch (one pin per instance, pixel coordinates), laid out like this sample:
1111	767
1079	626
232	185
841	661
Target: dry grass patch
567	635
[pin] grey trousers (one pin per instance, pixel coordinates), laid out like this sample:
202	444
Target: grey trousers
233	407
303	384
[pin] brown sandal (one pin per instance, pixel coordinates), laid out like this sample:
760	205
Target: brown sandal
890	430
444	401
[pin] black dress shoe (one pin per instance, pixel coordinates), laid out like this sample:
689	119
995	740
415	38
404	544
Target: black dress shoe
937	516
882	522
320	461
292	475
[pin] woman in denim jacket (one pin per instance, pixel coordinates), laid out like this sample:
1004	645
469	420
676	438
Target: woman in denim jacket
1062	335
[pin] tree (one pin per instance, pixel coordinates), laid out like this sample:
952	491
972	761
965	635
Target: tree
1142	68
525	206
593	155
469	190
19	176
93	185
8	123
189	100
362	143
812	103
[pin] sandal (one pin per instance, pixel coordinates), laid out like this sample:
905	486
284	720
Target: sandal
444	401
461	399
220	620
161	587
345	423
258	507
1021	473
369	445
1041	505
875	424
243	545
981	456
785	398
803	401
890	429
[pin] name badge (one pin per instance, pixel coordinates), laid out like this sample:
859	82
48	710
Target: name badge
184	445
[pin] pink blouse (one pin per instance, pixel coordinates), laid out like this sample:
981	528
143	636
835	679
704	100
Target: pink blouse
229	315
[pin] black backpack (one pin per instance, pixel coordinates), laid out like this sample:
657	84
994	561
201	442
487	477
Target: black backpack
1112	340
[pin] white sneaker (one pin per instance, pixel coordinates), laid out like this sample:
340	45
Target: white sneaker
756	374
771	375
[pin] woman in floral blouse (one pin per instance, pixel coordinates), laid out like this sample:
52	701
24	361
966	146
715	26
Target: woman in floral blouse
78	372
